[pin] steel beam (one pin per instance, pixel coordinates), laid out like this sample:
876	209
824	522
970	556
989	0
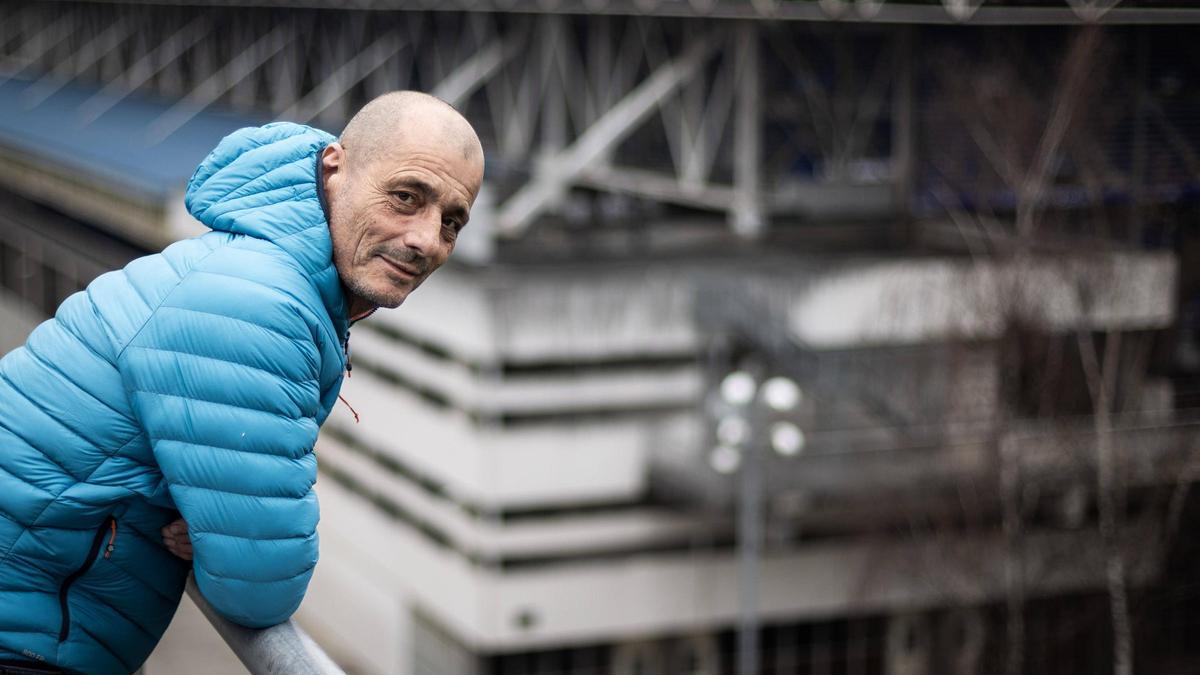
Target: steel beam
42	43
345	77
657	186
904	124
284	649
140	72
516	214
220	82
747	217
457	87
120	30
890	11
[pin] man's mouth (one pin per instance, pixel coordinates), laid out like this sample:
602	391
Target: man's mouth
403	269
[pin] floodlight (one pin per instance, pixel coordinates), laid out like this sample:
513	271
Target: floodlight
738	388
725	459
781	394
787	439
733	430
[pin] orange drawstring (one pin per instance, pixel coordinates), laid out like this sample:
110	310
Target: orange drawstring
352	410
349	367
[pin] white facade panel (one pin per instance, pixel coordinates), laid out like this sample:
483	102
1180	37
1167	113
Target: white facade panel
491	538
407	571
527	466
452	309
599	312
913	300
614	387
672	593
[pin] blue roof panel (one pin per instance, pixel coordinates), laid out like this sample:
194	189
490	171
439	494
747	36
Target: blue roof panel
116	148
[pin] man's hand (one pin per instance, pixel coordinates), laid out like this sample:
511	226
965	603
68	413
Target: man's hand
175	537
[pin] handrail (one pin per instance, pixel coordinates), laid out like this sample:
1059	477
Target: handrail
279	650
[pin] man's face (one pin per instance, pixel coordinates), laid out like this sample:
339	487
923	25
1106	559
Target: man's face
394	216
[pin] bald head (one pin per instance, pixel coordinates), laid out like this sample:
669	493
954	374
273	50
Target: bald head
400	184
388	121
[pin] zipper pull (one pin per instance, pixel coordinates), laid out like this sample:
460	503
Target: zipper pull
349	367
112	539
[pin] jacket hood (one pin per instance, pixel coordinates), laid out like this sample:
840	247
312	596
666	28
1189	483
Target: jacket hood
262	182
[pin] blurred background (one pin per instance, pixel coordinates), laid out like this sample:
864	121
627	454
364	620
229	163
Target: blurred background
837	337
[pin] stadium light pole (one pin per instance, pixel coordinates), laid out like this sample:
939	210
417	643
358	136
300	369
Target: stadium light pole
747	426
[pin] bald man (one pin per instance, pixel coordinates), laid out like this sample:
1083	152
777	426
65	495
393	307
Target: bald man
400	185
164	420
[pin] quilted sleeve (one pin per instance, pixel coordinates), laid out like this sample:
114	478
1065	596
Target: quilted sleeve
224	379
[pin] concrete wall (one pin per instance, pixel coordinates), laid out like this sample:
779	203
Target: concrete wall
378	572
17	320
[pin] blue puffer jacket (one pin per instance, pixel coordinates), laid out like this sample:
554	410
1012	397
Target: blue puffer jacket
192	382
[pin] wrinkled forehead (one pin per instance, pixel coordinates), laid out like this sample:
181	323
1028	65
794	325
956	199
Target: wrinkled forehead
441	172
435	141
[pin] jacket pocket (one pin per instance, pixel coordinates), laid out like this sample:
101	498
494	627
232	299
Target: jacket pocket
107	531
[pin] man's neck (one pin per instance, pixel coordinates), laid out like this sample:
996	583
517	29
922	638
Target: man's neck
357	308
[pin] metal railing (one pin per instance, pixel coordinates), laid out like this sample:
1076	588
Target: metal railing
279	650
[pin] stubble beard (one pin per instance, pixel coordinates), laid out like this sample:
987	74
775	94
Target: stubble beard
372	296
391	296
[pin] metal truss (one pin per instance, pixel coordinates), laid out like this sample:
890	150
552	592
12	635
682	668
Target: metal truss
656	109
991	12
583	116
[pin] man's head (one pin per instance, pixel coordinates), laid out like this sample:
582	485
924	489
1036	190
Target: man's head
400	183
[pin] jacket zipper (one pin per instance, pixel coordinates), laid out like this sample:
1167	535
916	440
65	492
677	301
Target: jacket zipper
346	342
346	348
349	366
110	528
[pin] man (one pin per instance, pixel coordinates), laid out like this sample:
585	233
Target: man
192	383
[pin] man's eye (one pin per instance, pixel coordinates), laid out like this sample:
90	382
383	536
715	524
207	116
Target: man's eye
405	197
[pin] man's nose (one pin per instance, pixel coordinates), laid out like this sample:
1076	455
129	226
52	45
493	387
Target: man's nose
425	232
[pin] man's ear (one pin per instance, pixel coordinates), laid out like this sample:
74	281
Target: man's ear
333	167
